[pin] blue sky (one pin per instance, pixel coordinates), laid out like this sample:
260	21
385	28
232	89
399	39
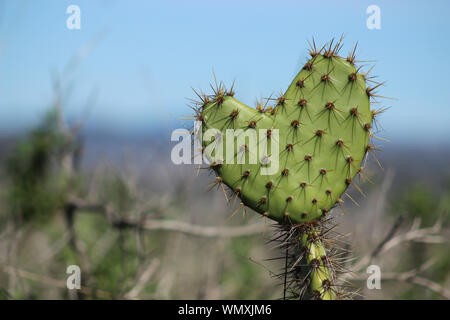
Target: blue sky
150	53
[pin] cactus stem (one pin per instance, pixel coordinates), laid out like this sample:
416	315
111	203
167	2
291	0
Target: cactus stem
321	276
309	267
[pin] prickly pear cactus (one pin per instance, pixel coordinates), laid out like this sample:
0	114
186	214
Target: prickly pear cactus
308	147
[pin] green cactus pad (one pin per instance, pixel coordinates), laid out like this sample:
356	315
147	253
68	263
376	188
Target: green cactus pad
323	121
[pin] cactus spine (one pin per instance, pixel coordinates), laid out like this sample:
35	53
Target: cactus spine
323	123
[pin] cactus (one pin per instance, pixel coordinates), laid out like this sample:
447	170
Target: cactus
323	129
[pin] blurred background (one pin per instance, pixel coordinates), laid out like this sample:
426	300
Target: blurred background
86	117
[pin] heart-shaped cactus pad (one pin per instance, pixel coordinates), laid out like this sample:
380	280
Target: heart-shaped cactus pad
308	146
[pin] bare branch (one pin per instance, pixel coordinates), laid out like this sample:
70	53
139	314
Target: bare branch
412	277
53	282
203	231
414	234
177	226
143	279
387	238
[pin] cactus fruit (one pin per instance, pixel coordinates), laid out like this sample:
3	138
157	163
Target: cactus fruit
323	124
